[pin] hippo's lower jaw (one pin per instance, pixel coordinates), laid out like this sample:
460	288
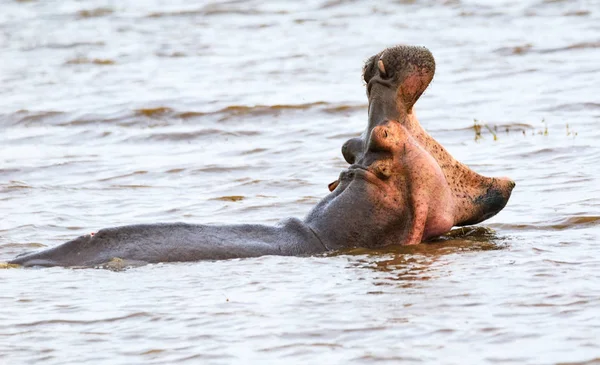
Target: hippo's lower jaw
491	202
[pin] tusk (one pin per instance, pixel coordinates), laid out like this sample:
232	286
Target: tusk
381	66
333	185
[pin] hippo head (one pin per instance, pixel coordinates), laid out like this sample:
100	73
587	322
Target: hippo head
396	78
394	193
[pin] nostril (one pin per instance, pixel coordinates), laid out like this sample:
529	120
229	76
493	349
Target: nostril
379	141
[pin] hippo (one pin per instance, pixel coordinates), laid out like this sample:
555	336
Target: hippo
401	188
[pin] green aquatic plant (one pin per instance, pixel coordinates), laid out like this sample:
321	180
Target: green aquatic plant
477	129
570	132
545	131
493	132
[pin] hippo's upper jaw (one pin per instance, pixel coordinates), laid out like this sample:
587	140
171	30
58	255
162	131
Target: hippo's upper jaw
396	78
401	74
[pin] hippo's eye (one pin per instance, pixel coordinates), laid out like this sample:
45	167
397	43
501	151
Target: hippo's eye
370	69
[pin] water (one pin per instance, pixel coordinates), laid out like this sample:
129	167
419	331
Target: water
118	112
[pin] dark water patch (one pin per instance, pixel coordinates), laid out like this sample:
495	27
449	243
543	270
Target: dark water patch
94	13
471	238
530	48
262	110
254	151
230	198
514	50
248	181
308	199
15	185
486	13
24	245
191	115
577	13
190	136
301	346
166	115
63	45
222	169
176	54
593	361
214	10
552	153
229	112
8	171
154	112
26	117
258	26
131	186
91	61
345	109
572	107
560	224
141	172
575	222
71	322
572	47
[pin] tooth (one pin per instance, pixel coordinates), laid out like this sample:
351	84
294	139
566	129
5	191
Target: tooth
333	185
381	66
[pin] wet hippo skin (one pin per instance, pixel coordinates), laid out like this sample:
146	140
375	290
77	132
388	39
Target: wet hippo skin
395	193
396	78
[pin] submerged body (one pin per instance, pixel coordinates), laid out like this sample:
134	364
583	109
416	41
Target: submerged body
166	242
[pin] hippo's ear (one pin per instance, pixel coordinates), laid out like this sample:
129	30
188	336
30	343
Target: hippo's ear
352	149
412	69
369	69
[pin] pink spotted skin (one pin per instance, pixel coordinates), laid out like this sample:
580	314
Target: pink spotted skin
396	77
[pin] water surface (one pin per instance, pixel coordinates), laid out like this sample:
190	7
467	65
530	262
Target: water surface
124	112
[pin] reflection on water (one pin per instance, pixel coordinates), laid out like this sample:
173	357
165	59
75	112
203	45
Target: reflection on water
229	112
413	263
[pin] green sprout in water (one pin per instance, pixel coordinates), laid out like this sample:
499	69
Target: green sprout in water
492	132
545	131
477	129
